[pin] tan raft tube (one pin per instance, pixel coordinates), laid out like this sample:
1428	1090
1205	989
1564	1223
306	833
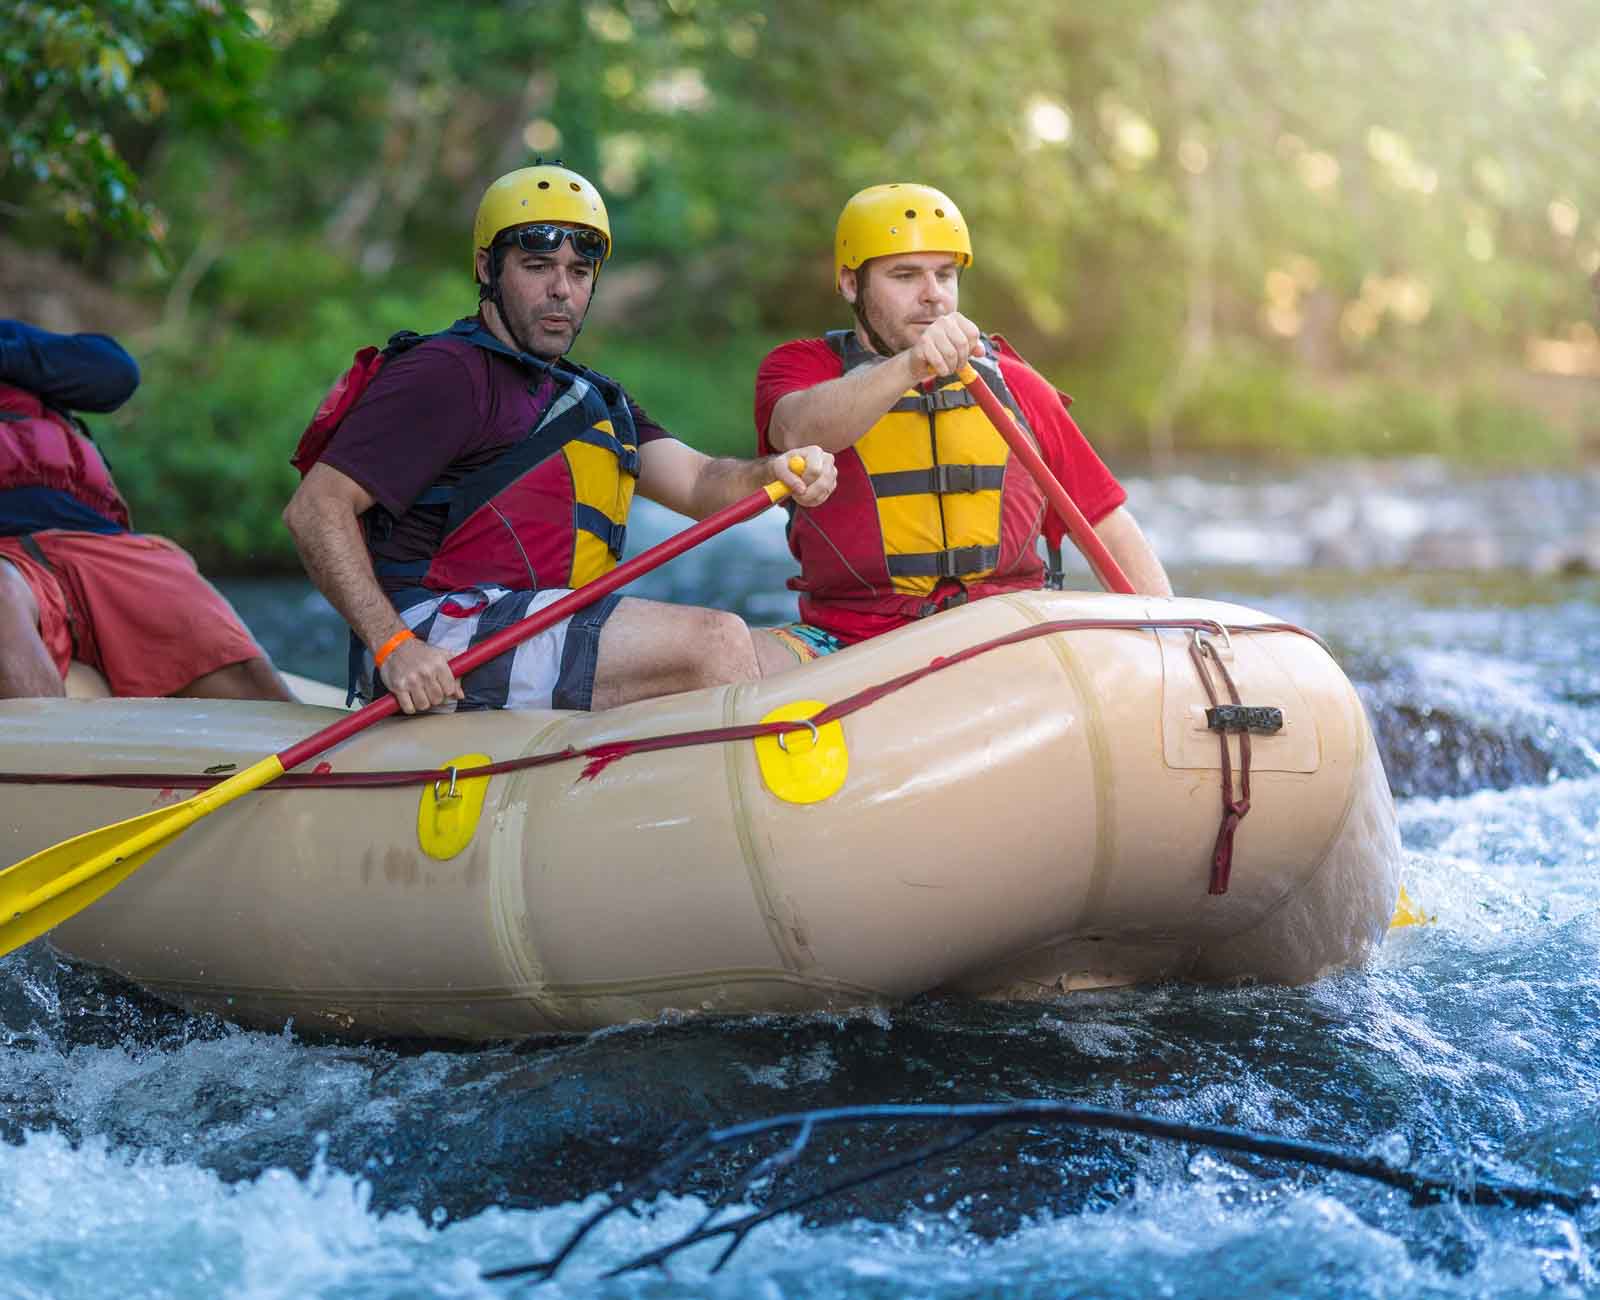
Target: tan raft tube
1037	819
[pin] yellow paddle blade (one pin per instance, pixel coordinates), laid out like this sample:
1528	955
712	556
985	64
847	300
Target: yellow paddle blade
41	891
1408	913
27	901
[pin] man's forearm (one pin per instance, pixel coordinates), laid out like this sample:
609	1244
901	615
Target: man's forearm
726	479
834	414
334	553
1133	553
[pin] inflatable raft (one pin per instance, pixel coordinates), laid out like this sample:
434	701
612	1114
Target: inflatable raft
1027	795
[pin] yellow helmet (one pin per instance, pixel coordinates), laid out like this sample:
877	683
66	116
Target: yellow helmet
899	218
544	192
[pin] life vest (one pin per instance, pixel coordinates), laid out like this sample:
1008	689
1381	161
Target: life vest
550	511
42	448
931	508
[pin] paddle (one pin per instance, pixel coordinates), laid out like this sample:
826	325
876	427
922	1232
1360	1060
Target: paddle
1110	573
41	891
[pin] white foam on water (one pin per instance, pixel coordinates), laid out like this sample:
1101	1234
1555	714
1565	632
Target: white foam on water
90	1221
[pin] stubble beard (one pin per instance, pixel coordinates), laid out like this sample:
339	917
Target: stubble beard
896	337
886	343
544	343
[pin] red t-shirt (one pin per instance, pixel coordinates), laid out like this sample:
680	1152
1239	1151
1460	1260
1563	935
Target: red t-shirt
434	414
805	363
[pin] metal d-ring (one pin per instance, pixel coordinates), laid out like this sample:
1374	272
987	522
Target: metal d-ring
451	793
816	739
1222	631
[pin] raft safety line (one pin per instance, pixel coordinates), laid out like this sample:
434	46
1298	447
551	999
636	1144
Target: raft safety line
602	756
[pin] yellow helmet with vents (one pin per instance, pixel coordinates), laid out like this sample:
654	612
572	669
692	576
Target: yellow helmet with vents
546	192
899	218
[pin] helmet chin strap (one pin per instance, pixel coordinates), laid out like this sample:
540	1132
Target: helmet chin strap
874	339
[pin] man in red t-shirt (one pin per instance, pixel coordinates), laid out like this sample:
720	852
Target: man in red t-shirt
930	508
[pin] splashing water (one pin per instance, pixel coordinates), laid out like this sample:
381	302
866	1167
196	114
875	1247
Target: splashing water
151	1153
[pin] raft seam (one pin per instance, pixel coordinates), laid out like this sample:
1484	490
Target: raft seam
380	997
1099	758
733	757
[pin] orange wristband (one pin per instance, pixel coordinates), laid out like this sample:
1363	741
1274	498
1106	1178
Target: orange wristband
388	647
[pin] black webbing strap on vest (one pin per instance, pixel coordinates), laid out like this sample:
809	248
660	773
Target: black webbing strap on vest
941	478
957	562
591	520
940	399
1055	576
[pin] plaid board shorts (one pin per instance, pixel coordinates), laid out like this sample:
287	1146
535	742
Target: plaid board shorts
805	641
551	670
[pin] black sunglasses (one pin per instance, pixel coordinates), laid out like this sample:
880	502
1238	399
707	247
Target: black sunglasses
542	237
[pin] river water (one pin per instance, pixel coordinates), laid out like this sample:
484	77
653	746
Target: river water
150	1153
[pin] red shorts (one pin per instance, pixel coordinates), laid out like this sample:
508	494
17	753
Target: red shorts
131	605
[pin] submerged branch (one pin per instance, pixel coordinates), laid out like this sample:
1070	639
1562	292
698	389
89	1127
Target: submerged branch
972	1121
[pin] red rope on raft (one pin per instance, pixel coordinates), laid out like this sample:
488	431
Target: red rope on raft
1233	810
603	755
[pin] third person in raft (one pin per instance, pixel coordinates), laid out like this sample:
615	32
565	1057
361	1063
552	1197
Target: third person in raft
931	509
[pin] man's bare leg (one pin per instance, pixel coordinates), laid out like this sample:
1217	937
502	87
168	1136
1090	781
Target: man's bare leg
250	679
774	654
648	648
26	668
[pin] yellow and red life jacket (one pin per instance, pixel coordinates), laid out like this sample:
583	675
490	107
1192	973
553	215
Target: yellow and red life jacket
930	510
550	511
42	449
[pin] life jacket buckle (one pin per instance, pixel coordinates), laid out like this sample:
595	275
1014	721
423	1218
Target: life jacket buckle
960	560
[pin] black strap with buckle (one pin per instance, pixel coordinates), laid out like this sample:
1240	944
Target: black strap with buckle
1262	719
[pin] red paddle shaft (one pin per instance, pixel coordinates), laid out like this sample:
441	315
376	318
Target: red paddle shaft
549	616
1110	573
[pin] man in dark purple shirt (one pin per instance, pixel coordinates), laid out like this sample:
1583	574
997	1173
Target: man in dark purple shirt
440	416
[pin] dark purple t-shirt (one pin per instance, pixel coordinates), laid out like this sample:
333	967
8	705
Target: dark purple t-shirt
435	414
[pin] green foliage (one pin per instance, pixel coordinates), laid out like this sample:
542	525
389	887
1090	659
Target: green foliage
1244	400
1488	429
1252	403
77	80
1284	225
702	391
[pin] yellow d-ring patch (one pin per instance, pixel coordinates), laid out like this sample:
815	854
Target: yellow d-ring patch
805	765
450	808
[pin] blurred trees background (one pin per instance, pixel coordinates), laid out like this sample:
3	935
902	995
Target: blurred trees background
1265	226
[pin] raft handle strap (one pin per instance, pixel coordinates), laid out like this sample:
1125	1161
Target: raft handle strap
1233	810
